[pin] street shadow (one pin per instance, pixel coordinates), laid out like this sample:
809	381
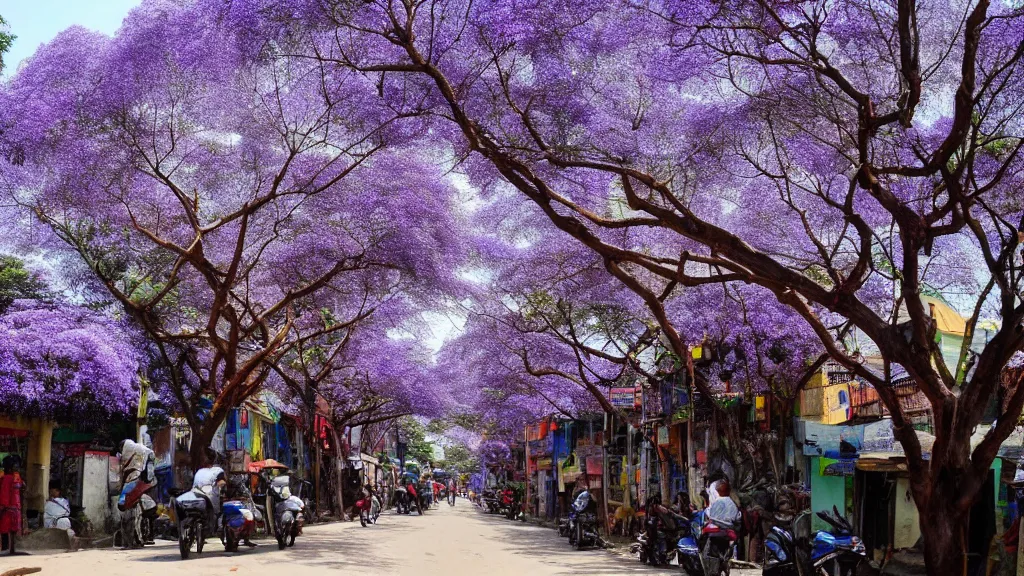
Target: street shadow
320	546
545	545
212	549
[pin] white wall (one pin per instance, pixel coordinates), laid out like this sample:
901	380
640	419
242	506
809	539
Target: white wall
907	529
96	489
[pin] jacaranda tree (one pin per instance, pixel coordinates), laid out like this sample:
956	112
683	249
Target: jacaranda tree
63	362
838	156
218	189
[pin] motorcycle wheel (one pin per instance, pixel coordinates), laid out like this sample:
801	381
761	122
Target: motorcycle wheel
419	508
362	518
577	539
280	541
200	536
291	540
230	543
185	542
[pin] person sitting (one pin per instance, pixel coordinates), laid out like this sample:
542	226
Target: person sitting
208	482
57	512
723	511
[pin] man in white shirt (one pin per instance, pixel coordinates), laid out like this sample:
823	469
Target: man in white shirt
723	511
57	512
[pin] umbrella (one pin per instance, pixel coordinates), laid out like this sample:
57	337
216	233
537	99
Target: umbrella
256	467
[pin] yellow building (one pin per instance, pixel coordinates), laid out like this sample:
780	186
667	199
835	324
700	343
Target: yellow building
30	438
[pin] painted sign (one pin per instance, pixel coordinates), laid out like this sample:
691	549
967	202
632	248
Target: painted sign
833	467
663	438
878	437
623	397
833	441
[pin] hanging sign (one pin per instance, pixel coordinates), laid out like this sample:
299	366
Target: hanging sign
663	439
623	397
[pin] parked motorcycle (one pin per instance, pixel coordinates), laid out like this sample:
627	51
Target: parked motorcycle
289	511
132	504
508	504
704	548
836	553
491	502
196	521
583	523
657	542
237	524
564	524
199	517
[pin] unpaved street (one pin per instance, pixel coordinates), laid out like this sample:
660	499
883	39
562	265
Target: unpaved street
445	541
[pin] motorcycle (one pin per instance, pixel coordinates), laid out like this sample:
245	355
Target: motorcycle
369	508
199	518
132	504
704	548
237	524
564	524
289	511
491	503
414	500
653	542
507	506
838	553
583	525
196	521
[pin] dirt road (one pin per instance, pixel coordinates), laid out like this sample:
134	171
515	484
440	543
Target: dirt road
447	541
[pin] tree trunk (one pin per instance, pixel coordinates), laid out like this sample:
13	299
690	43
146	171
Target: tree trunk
944	533
944	522
201	438
339	468
202	435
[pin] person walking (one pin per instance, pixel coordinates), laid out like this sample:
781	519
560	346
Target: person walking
452	487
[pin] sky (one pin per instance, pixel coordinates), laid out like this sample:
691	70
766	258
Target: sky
35	22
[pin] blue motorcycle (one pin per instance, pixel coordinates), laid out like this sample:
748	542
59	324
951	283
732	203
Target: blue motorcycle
829	553
704	549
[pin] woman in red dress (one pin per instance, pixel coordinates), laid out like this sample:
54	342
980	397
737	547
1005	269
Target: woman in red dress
10	501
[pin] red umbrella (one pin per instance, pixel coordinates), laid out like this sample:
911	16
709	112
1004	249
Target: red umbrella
256	467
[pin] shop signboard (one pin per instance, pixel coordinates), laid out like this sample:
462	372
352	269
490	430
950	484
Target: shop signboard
623	397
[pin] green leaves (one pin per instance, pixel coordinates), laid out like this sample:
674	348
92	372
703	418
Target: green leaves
16	282
6	39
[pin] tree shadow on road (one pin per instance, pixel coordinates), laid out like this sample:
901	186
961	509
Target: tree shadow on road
545	545
346	551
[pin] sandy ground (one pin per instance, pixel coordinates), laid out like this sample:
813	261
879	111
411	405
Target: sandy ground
445	541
